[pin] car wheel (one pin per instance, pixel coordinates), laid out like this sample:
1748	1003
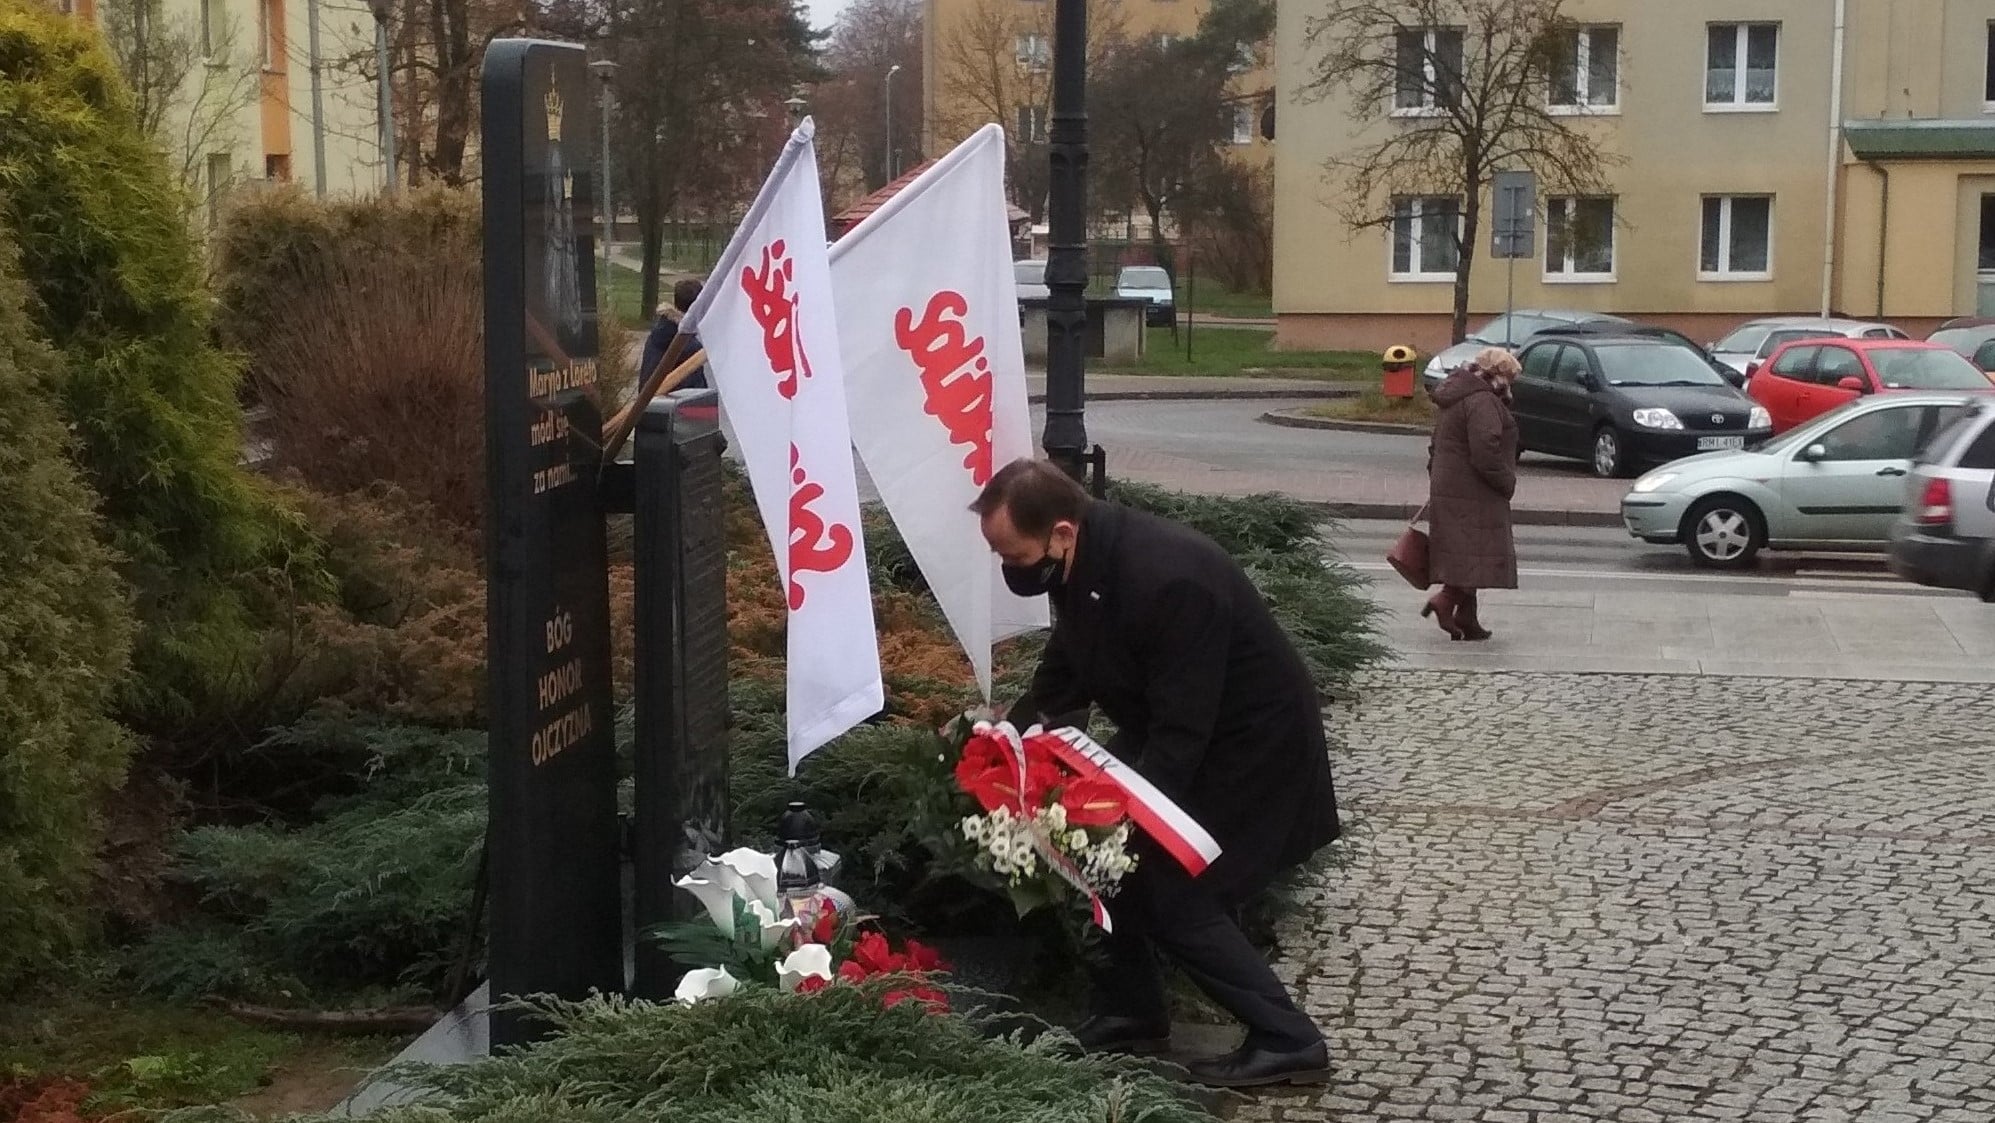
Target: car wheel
1610	457
1724	533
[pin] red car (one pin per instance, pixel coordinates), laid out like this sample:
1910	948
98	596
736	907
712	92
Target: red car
1809	377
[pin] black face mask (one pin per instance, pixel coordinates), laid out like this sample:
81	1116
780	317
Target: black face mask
1036	580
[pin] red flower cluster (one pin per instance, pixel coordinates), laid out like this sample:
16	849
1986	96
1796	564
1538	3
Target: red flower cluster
988	773
873	957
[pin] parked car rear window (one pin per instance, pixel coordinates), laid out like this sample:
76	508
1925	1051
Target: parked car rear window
1029	272
1979	455
1653	364
1906	369
1145	276
1747	338
1943	439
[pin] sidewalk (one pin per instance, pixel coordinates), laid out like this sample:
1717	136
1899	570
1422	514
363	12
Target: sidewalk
1809	634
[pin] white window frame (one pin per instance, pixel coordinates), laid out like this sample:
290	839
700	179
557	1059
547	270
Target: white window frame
1582	62
1035	50
1037	119
1725	273
1567	204
1742	30
1431	104
1244	120
1419	274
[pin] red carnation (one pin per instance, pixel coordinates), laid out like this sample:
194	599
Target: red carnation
811	984
826	928
934	1000
921	957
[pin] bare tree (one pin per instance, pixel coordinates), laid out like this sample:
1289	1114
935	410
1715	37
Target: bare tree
190	81
1163	113
997	65
1459	90
870	40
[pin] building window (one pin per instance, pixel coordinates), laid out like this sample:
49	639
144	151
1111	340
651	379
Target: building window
277	167
1244	59
1243	124
1586	69
1032	124
1737	242
1741	69
1984	260
1579	238
1988	72
219	174
270	34
1428	69
1166	40
1426	236
1035	50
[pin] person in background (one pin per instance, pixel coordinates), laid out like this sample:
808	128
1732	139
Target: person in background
1162	629
666	327
1472	474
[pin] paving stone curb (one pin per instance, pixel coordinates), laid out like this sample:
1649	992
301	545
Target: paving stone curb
1294	419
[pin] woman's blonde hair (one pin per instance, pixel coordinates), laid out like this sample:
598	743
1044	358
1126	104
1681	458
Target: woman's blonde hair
1496	360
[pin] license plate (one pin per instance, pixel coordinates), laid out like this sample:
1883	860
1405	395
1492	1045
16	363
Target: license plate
1715	444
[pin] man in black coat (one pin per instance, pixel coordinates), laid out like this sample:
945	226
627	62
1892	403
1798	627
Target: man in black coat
665	328
1161	629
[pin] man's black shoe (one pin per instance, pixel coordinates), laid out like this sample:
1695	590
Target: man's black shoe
1251	1066
1123	1035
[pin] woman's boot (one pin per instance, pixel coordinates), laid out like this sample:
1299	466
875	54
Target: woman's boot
1465	618
1442	607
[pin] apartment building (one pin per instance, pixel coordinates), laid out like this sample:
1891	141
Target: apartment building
245	114
992	60
1770	160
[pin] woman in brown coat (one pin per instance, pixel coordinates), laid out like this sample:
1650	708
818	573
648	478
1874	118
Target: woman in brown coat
1472	473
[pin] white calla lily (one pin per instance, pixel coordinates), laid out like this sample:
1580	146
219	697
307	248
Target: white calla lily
808	961
716	895
774	931
752	874
705	983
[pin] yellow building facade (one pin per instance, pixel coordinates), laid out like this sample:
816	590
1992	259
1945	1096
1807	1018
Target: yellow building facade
244	113
1734	189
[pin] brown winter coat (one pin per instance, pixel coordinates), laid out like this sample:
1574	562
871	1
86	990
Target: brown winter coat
1472	473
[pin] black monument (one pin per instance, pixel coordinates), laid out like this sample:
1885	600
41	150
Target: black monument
679	536
555	898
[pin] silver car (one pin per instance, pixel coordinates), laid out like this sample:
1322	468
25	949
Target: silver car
1833	483
1512	330
1752	341
1946	534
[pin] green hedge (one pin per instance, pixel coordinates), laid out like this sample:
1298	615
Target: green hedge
116	280
833	1057
65	633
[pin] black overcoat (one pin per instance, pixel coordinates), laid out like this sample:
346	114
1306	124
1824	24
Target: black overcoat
1162	630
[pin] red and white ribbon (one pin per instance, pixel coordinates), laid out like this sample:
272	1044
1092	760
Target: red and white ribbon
1163	820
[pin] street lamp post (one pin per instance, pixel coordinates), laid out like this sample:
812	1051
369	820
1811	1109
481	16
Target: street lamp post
604	69
1066	434
385	96
891	169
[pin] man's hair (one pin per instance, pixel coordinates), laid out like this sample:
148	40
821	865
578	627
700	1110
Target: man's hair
1036	494
684	293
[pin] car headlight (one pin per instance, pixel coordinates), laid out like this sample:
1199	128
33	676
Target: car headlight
1657	419
1761	419
1653	482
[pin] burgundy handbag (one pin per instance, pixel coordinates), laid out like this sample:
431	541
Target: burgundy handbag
1409	555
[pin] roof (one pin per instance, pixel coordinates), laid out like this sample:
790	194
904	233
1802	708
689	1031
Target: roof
1921	140
845	220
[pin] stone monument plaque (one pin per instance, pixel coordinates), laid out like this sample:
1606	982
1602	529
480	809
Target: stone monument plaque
556	908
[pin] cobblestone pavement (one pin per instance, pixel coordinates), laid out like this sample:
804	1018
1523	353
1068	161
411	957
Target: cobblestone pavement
1638	899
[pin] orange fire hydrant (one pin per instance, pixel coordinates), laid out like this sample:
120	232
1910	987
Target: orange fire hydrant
1397	371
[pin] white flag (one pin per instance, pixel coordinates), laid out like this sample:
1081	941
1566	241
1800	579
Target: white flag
928	315
771	335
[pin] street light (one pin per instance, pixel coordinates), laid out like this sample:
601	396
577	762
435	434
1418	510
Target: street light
1066	435
385	96
796	104
605	70
892	171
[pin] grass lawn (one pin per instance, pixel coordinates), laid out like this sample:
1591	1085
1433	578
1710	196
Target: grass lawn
1246	351
617	290
1374	406
106	1052
1212	300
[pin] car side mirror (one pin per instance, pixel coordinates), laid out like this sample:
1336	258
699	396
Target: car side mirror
1852	384
1733	377
1752	369
1814	454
